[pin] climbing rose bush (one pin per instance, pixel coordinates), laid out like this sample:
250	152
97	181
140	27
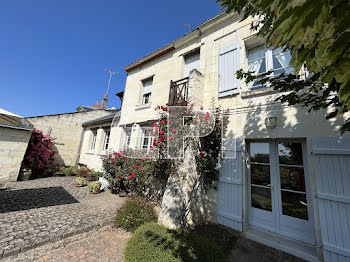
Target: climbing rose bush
39	152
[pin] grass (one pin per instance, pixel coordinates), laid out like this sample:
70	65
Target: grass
155	243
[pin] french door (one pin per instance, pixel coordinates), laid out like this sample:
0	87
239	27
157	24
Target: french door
279	191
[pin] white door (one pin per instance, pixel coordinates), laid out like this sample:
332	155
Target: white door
191	62
279	195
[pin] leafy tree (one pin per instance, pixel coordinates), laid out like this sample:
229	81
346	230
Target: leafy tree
318	35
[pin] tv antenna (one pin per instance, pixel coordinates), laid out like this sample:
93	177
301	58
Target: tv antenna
187	25
110	77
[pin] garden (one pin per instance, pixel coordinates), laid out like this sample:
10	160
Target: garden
143	178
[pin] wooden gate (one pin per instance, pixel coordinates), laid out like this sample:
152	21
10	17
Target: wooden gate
331	158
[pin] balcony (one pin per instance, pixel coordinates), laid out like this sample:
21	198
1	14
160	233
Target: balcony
178	95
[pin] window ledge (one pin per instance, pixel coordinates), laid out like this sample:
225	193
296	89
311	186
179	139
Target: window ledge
259	92
90	152
141	107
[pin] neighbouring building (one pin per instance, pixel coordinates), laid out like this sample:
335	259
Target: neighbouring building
15	132
288	186
96	140
67	131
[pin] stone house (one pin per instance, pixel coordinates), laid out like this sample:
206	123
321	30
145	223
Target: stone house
67	131
288	183
15	133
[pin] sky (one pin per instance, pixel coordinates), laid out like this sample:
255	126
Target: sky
53	52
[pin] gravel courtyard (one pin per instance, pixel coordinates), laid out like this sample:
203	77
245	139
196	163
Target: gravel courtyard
36	212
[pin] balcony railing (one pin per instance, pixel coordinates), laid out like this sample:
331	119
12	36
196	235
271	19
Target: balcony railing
178	95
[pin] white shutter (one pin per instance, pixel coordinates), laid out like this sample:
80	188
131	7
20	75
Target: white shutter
147	86
191	62
228	66
230	194
331	157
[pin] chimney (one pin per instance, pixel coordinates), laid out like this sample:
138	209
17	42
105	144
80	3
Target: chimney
97	105
104	102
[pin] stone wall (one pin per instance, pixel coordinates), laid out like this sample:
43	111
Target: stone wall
67	130
13	145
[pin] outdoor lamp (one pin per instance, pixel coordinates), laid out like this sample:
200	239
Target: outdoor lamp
271	120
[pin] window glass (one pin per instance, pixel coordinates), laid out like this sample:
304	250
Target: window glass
294	205
106	140
290	154
93	141
147	90
259	152
261	198
127	138
147	138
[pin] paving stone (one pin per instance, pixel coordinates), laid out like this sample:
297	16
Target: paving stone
49	209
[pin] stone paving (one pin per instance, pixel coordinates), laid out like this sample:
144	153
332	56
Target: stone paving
36	212
104	244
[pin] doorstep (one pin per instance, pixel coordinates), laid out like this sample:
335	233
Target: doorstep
293	247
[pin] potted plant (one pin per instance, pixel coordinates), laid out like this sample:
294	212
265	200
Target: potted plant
94	187
80	181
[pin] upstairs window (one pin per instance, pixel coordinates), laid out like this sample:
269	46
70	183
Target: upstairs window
146	138
147	90
106	140
93	140
262	59
191	61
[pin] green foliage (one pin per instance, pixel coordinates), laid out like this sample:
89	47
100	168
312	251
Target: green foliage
94	187
153	242
134	213
80	181
70	171
318	36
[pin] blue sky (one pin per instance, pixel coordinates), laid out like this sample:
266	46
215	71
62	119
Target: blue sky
53	53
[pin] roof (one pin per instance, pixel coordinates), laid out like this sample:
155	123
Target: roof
11	120
172	45
102	120
68	113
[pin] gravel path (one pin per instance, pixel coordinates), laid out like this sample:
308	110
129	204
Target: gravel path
36	212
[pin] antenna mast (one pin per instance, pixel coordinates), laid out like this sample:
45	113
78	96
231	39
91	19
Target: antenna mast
110	77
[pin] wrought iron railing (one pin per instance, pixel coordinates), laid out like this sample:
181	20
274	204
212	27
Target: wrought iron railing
178	95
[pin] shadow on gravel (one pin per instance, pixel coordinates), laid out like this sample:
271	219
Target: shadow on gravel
24	199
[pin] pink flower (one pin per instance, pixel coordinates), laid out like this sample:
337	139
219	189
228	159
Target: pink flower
207	114
201	119
161	132
206	118
201	107
201	154
162	122
141	167
120	176
143	160
170	121
174	130
171	138
187	112
135	166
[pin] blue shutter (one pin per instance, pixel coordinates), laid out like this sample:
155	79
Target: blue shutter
331	157
230	188
228	66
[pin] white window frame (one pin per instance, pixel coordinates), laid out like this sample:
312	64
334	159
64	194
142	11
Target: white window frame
150	138
147	90
127	138
268	52
106	139
93	140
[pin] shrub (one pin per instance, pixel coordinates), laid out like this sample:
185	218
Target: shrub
134	213
94	187
39	153
153	242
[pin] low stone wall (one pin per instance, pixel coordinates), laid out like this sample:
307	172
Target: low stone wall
13	145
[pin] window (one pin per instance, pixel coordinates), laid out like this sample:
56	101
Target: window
127	138
106	140
262	59
146	138
93	140
191	61
147	90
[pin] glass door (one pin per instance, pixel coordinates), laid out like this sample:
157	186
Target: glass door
279	197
